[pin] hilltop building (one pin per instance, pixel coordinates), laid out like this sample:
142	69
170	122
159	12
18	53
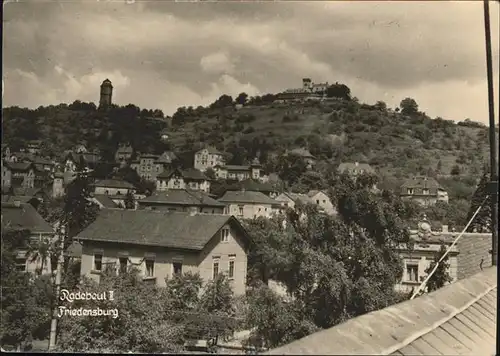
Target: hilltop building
105	99
149	166
308	91
355	168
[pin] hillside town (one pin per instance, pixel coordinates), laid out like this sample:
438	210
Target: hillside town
171	223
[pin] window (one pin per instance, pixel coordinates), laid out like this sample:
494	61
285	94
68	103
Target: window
317	201
106	192
21	264
150	268
123	264
324	201
118	193
215	268
412	272
425	191
240	210
230	272
177	268
225	235
98	262
409	191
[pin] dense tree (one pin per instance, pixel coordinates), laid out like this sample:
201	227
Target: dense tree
340	91
222	102
335	267
129	200
242	99
482	221
25	301
455	170
441	276
408	106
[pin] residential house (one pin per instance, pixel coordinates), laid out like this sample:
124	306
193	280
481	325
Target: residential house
11	198
124	153
89	159
355	169
248	205
289	200
208	157
304	154
239	172
37	193
424	190
149	166
34	147
470	254
322	200
145	166
23	174
182	200
113	187
258	186
161	244
6	176
23	216
190	178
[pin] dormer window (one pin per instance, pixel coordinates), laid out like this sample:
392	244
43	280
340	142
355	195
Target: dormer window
409	191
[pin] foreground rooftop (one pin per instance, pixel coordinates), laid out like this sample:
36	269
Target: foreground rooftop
458	319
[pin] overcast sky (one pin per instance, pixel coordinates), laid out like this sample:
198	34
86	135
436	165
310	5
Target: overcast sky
162	54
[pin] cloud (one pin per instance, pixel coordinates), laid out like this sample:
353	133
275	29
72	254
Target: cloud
170	54
217	62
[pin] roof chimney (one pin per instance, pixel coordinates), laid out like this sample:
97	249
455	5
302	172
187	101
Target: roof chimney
445	228
17	203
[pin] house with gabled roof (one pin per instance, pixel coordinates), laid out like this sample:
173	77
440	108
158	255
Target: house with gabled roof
161	244
322	201
355	169
289	200
304	154
149	166
424	190
183	200
208	157
23	174
248	205
190	178
17	216
123	153
239	172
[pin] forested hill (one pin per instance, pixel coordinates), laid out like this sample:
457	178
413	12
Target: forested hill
333	130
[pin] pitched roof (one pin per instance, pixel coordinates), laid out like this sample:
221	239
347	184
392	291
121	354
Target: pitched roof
253	185
247	197
23	216
19	166
303	198
22	191
105	201
157	228
181	197
302	152
313	192
419	183
167	157
114	183
355	166
189	173
211	150
458	319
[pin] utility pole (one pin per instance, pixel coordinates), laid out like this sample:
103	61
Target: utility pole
60	259
493	186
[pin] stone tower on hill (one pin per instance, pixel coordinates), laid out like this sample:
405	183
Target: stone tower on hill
106	94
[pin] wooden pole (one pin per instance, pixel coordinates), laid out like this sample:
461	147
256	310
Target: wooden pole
60	259
493	144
